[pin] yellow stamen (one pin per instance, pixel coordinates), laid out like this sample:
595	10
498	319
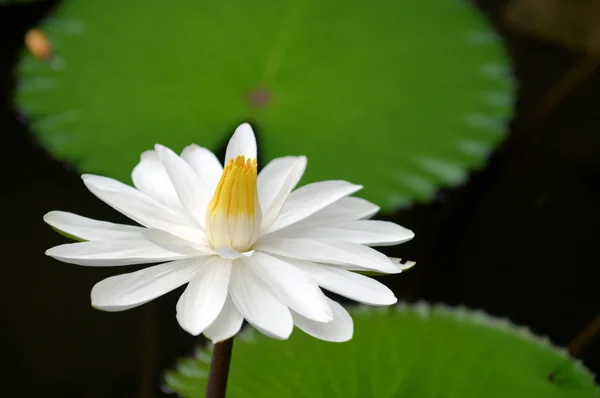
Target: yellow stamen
236	189
231	217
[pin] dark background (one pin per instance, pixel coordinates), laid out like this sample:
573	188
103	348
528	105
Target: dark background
518	240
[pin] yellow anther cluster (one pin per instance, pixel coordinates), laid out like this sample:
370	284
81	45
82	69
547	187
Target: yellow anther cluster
236	191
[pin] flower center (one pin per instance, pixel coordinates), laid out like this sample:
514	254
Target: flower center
233	215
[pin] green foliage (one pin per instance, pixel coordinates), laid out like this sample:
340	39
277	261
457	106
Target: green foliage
407	351
400	96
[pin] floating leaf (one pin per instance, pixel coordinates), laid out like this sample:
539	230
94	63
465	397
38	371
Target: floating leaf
400	96
408	351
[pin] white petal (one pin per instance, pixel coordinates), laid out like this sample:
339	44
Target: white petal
348	284
398	265
205	164
88	229
111	253
228	253
176	244
258	304
193	194
142	208
366	232
275	182
150	177
329	252
346	209
122	292
227	324
403	266
309	199
340	329
112	185
291	285
242	143
205	296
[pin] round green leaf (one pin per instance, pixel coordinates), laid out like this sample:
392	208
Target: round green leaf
407	351
400	96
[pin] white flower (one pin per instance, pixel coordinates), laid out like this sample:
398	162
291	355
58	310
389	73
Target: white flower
249	247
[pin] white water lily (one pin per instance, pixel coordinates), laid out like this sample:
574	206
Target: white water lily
249	247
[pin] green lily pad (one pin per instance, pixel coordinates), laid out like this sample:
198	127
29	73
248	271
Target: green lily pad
401	96
407	351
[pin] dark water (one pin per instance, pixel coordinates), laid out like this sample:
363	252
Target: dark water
519	240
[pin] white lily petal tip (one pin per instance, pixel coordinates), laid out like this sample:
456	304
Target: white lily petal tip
191	331
245	128
244	131
49	217
52	252
402	266
300	160
160	149
355	187
145	154
343	338
91	180
283	336
242	142
95	303
191	149
186	327
384	301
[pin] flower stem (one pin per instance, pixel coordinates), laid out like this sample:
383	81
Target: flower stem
219	369
585	336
